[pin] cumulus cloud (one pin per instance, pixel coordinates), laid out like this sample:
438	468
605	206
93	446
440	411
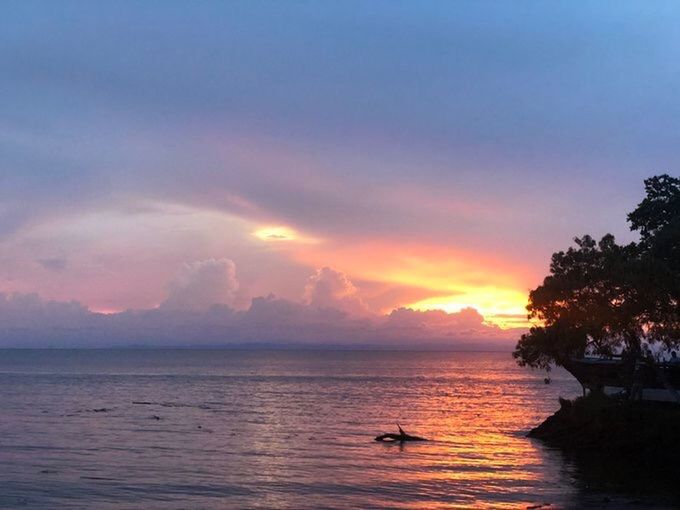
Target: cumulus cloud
468	319
198	311
28	321
328	288
438	324
25	310
202	284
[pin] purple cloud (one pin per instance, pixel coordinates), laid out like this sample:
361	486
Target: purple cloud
202	284
55	264
330	314
328	288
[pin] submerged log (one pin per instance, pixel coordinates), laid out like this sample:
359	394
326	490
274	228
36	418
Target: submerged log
401	437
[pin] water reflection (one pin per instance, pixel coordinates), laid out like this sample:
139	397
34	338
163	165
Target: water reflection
619	482
282	430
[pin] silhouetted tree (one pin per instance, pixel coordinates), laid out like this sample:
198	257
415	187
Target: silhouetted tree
608	296
657	218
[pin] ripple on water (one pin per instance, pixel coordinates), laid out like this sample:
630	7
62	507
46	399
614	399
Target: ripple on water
228	429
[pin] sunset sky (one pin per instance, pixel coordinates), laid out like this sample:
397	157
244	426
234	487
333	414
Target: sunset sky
357	157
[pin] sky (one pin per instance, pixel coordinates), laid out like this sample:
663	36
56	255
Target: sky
322	171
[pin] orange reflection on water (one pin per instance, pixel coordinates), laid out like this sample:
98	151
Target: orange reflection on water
477	416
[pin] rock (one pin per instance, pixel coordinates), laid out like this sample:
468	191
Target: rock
645	431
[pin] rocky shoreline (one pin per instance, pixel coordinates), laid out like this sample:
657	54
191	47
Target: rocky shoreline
646	432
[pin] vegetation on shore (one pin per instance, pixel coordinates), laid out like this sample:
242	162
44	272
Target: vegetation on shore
606	297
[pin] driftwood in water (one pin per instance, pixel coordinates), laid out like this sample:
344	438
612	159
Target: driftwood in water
401	437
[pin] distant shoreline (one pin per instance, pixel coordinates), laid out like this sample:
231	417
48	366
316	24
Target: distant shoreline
268	347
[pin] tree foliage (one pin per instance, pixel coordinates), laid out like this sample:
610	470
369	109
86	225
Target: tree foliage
606	296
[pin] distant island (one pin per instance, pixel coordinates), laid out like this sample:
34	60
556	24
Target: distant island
615	309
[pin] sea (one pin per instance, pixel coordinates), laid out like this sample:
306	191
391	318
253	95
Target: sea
291	429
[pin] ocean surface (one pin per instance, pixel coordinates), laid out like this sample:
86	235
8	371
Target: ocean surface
193	429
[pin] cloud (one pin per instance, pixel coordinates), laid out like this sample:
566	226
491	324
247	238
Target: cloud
328	288
374	142
25	310
28	321
199	310
201	284
55	264
480	117
467	323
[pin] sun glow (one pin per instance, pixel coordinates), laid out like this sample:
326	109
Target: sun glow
276	234
441	278
502	307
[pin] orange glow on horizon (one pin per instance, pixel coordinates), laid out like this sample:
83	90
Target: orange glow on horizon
455	279
105	311
502	307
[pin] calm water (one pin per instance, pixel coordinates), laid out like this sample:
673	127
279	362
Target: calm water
276	429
